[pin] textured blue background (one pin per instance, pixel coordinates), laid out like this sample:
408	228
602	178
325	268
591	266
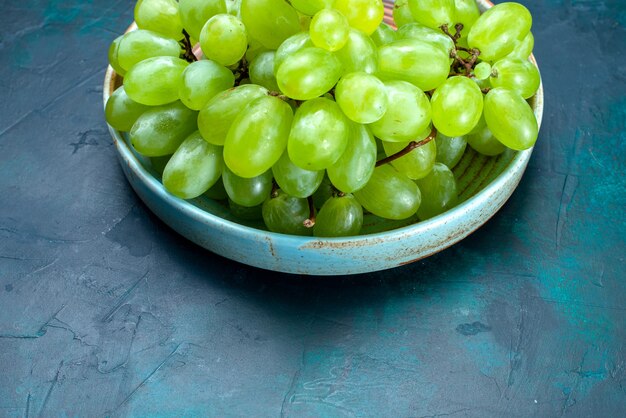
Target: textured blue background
106	311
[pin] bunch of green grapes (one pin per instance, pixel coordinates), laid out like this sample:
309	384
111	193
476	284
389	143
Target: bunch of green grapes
308	112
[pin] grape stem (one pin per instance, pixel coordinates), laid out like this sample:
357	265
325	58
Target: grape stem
274	192
188	55
242	72
278	95
474	53
410	147
310	222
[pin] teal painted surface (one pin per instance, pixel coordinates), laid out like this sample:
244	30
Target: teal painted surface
106	311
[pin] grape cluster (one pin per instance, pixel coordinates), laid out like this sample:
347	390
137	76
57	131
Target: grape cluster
305	113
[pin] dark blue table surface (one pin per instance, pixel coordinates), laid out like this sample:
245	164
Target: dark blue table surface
106	311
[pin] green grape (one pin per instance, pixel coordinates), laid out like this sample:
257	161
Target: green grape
439	192
511	119
159	163
433	13
417	163
194	168
319	134
195	13
389	194
247	192
355	166
155	81
425	34
467	13
286	214
362	97
293	44
201	81
113	56
402	13
161	130
329	30
270	21
223	39
482	140
383	35
308	73
294	180
244	213
217	192
258	136
339	217
408	113
255	48
359	53
457	105
310	7
418	62
516	74
482	71
142	44
523	48
262	71
364	15
160	16
121	112
215	120
497	31
324	192
450	150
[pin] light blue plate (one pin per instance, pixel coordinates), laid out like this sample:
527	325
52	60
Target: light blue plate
485	184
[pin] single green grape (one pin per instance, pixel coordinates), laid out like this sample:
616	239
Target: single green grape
402	13
160	131
203	80
294	180
319	134
223	39
339	217
155	81
364	15
247	192
359	53
433	13
255	140
439	192
511	119
194	168
216	118
195	13
293	44
523	48
457	105
450	150
354	168
362	97
516	74
121	112
286	214
114	56
142	44
270	21
497	31
262	71
408	113
482	71
160	16
329	30
389	194
481	140
383	35
417	163
418	62
308	73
